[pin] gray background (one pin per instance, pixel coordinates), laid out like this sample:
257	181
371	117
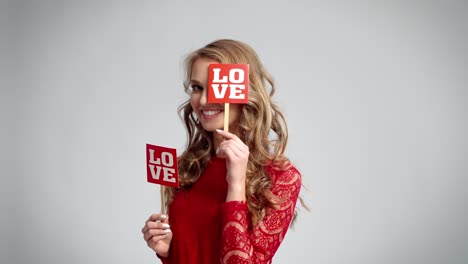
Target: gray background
375	93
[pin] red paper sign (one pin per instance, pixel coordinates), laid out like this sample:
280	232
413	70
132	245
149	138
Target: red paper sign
228	83
161	165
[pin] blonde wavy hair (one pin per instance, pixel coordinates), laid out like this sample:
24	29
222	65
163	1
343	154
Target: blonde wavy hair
262	127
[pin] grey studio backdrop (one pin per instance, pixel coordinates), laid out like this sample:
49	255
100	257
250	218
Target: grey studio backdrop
375	93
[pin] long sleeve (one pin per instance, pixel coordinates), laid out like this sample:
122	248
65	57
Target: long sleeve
163	259
244	244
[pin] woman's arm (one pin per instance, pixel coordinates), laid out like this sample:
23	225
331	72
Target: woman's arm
244	244
240	242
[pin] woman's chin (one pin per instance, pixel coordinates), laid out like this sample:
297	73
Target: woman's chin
211	128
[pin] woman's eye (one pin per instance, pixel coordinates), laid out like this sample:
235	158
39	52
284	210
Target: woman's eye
196	88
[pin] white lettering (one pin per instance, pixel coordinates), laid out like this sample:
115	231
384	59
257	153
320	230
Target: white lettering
216	76
155	174
236	91
152	160
167	159
217	92
232	76
169	175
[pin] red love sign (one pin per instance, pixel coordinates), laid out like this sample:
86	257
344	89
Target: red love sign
161	165
228	83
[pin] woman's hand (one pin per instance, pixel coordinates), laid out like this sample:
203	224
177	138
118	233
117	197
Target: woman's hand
237	157
157	234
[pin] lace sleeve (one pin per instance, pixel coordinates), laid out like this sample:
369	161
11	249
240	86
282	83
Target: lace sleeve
243	244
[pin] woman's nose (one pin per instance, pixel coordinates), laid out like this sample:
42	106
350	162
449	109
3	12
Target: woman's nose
203	97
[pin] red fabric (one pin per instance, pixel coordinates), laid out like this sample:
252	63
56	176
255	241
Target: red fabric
206	229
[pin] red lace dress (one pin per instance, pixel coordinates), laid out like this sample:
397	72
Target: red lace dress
206	229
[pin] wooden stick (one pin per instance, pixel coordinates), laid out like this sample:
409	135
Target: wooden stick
226	117
163	200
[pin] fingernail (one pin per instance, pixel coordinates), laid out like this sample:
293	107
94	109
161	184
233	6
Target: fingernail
219	130
163	216
165	225
166	231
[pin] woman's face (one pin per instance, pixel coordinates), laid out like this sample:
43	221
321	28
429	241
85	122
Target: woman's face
211	116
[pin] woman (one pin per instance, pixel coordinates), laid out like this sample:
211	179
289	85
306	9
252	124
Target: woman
238	191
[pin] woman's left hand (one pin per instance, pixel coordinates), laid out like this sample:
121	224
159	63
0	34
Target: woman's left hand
237	157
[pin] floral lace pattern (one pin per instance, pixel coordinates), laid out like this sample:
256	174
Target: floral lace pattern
242	244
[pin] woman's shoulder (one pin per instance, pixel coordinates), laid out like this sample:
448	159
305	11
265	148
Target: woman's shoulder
286	174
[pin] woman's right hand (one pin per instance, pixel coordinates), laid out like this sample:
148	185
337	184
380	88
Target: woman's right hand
157	234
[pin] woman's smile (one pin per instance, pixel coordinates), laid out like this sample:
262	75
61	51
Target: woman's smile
210	113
